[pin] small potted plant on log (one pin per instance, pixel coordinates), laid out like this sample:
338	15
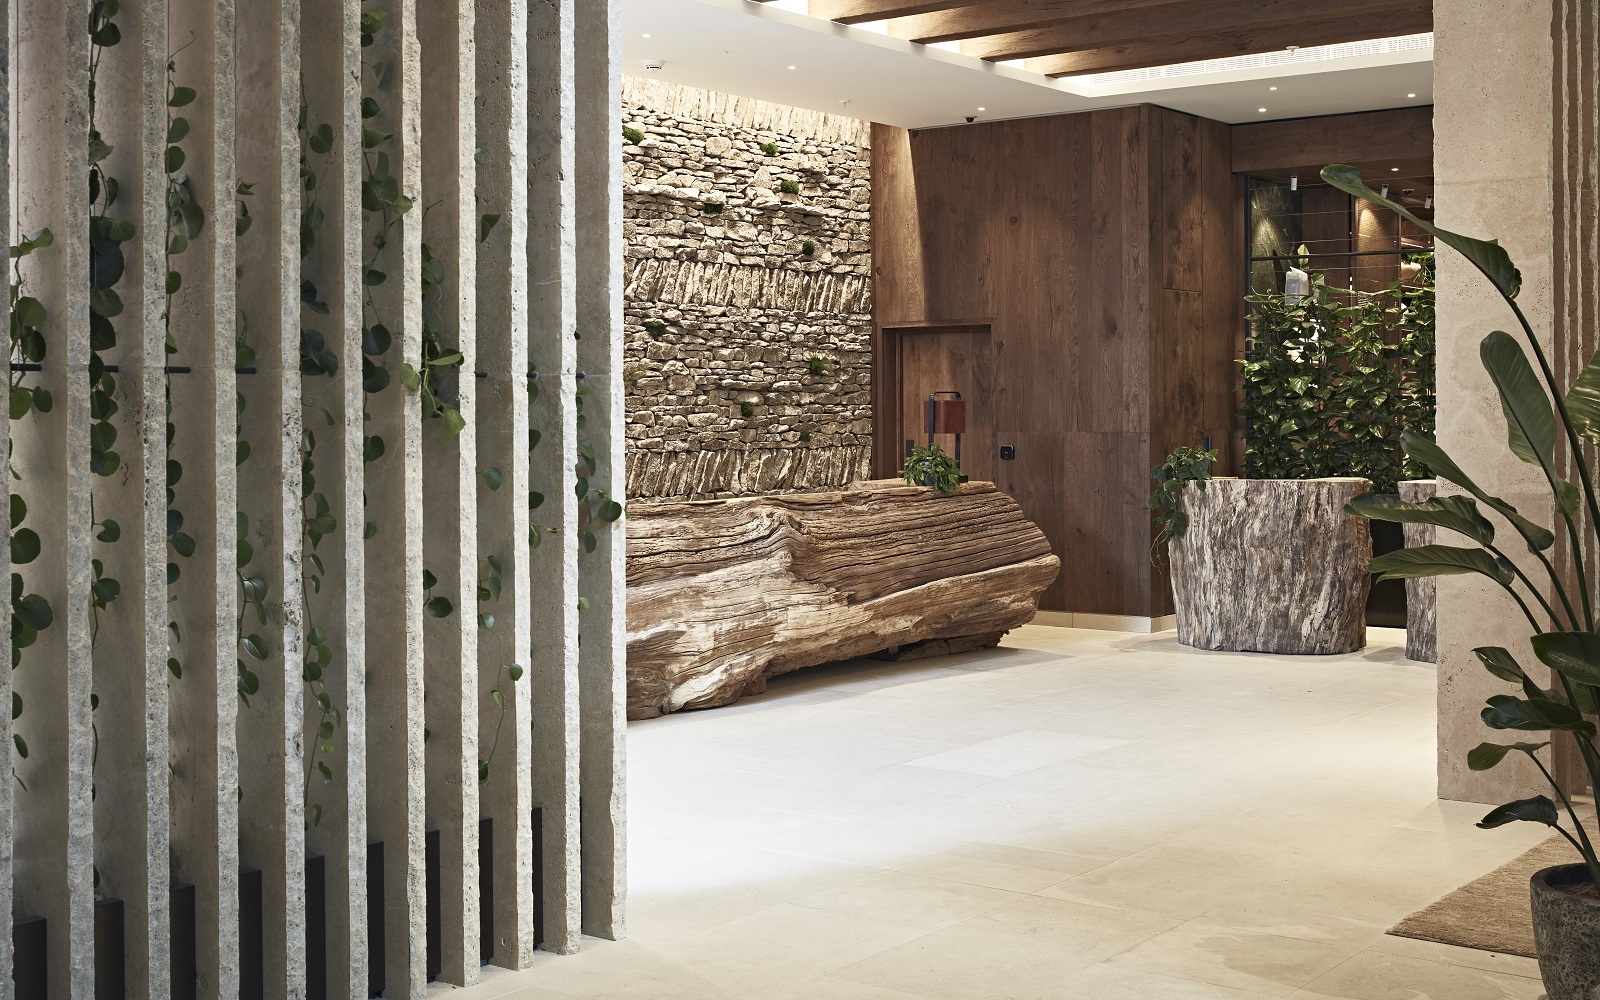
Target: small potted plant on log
1561	613
931	465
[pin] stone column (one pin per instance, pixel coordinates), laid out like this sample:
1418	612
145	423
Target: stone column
1513	81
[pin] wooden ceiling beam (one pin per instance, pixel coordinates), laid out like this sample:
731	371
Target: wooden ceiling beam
1234	20
998	16
855	11
1166	50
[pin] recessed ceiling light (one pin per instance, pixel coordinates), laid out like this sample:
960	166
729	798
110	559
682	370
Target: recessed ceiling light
983	109
1272	88
647	35
1394	170
791	67
1262	110
1411	95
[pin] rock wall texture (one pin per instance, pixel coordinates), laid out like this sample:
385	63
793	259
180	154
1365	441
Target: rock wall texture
748	295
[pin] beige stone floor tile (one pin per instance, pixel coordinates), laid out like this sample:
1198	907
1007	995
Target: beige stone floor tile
705	896
1444	954
1006	756
1184	748
1011	951
899	897
1226	956
1373	975
829	988
780	946
1002	866
1102	982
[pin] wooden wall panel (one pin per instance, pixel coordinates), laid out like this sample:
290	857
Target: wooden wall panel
1403	134
1092	246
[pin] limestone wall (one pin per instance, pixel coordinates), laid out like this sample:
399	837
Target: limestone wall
748	295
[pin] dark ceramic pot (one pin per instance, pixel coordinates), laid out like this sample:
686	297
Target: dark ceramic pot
1566	931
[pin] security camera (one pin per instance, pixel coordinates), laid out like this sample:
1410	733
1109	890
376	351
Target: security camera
971	119
1408	191
653	65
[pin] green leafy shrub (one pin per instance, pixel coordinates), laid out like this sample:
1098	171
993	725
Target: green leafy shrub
805	436
818	365
930	466
655	328
632	135
712	208
808	248
789	187
747	410
770	148
1182	467
1333	380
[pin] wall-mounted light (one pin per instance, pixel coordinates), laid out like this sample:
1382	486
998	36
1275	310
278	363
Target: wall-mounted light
1385	192
1428	202
1294	182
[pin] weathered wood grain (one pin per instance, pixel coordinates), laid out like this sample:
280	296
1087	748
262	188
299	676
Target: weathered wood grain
1273	566
1422	596
723	594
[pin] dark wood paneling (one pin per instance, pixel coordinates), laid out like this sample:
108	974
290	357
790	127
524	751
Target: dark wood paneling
1309	144
1102	252
949	360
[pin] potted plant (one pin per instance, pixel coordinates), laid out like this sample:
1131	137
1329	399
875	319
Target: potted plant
1265	565
1561	615
931	466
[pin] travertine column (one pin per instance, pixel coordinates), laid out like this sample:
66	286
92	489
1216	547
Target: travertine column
1495	133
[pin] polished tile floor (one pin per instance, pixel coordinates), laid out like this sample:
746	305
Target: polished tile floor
1084	815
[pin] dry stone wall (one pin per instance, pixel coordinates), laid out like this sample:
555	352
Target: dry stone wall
748	295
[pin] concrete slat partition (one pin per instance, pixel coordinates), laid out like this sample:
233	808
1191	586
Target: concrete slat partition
240	666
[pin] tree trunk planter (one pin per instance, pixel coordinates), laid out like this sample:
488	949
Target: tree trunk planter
1566	932
723	594
1422	595
1272	566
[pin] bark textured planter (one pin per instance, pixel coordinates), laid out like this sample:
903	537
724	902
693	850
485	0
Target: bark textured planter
723	594
1272	566
1422	596
1566	931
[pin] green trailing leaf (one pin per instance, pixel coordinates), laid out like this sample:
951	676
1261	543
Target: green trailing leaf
1487	256
493	477
440	607
1459	514
1538	809
1488	755
1441	560
1499	661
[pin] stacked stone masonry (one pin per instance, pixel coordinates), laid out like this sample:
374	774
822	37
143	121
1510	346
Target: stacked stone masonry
748	295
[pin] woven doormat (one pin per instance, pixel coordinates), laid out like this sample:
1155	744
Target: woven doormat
1491	913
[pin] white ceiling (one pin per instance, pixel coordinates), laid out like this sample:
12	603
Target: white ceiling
745	48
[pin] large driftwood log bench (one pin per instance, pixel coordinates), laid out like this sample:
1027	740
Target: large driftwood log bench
1272	566
723	594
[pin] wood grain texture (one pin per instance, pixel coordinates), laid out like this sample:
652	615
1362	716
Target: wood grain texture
1101	252
1422	596
1402	134
1272	566
723	594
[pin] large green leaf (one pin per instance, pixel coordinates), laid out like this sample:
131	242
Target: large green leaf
1434	457
1487	255
1487	755
1499	661
1441	560
1575	654
1456	513
1538	809
1530	415
1583	401
1534	715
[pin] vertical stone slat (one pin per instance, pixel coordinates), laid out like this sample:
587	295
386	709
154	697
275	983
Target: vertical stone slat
7	803
54	828
271	725
330	45
553	554
602	666
205	701
130	633
505	730
449	475
394	645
